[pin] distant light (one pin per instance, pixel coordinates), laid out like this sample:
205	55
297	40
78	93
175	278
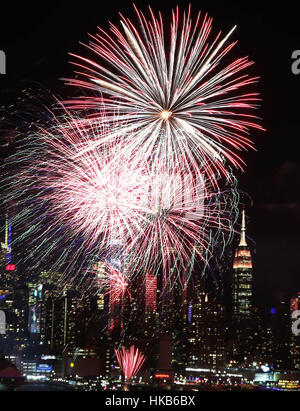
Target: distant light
10	267
162	376
48	357
273	311
265	368
72	365
44	368
198	369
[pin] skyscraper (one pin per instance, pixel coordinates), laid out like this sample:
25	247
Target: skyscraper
13	298
147	305
8	234
34	306
242	319
206	332
151	294
242	278
9	275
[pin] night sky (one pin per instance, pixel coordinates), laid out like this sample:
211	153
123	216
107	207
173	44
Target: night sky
37	38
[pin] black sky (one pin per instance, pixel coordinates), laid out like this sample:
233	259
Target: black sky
38	36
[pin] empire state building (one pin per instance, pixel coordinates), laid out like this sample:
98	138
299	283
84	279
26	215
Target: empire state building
242	278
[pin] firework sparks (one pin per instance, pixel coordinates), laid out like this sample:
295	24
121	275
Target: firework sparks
113	282
143	169
130	362
118	284
80	204
176	100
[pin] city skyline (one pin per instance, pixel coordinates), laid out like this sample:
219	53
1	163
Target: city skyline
273	171
150	213
180	335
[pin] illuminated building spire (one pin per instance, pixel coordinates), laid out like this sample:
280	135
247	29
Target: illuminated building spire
242	277
8	230
243	242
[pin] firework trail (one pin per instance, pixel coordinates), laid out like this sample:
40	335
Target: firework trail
130	361
177	101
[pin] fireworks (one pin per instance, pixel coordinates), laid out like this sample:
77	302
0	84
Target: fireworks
130	362
142	173
72	206
106	205
176	99
114	282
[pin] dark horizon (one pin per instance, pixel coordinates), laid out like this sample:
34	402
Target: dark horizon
37	41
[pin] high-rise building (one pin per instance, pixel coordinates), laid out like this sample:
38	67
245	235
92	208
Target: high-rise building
280	325
171	320
151	294
35	294
13	298
149	307
117	265
9	274
64	315
100	269
8	239
43	293
101	292
163	356
242	278
262	340
4	247
206	332
242	319
5	250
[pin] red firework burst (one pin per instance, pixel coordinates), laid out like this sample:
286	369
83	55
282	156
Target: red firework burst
130	361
